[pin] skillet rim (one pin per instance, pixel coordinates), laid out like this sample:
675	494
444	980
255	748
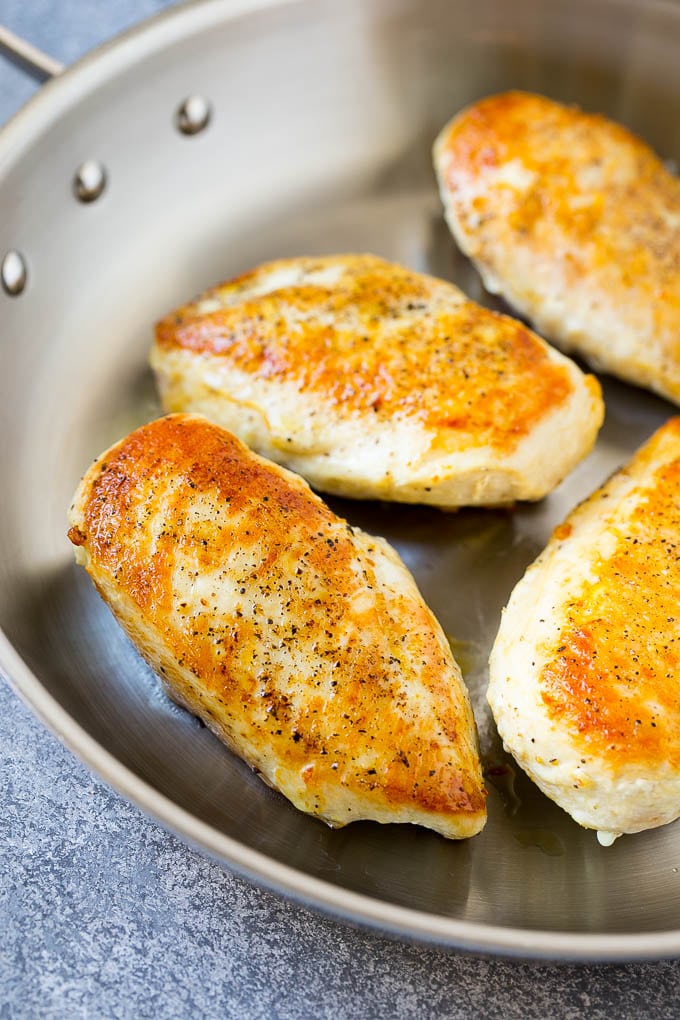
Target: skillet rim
16	137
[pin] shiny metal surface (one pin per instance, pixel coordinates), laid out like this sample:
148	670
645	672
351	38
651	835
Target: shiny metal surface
323	117
193	115
13	273
89	181
38	63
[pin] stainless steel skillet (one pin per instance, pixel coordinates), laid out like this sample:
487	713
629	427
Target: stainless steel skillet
321	120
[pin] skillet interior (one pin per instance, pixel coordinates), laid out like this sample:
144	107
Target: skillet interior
323	117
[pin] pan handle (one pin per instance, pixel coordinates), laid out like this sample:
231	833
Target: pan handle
28	57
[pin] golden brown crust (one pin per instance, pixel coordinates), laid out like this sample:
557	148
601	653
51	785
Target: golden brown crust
620	218
271	617
614	682
576	221
383	341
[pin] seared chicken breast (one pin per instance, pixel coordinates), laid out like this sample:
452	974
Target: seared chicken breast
302	642
375	381
585	671
576	222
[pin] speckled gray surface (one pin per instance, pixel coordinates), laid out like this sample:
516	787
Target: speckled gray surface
105	915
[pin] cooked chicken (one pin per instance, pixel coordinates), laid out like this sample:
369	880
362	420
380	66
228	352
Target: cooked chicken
577	223
374	381
302	642
584	674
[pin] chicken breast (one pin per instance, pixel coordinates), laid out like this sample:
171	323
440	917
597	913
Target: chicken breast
576	223
374	381
302	642
585	671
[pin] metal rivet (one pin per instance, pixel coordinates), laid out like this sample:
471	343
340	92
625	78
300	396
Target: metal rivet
193	115
14	273
89	181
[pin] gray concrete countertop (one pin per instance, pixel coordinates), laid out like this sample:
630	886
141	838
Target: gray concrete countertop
105	915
